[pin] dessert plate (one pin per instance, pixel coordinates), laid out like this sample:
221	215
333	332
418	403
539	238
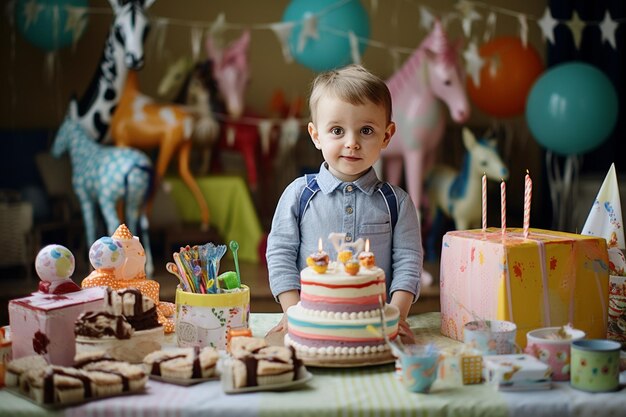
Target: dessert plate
58	405
183	381
303	377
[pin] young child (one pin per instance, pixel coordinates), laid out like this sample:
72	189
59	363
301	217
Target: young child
351	123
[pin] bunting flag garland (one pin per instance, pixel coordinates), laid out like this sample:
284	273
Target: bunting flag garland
466	12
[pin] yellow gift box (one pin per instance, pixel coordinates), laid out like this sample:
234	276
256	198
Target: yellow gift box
548	279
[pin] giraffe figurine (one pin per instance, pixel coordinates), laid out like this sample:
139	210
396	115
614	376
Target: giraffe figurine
104	175
119	263
123	50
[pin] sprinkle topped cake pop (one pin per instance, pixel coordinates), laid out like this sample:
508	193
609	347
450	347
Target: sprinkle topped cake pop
366	258
55	265
319	260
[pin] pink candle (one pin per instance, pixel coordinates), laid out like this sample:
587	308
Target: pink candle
503	206
484	202
528	194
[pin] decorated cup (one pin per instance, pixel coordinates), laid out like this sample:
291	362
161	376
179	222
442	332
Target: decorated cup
491	337
595	365
551	345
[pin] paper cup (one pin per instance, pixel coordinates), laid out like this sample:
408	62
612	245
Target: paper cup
205	319
595	365
551	351
419	368
491	337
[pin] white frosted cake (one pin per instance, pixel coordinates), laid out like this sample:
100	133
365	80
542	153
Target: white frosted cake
331	320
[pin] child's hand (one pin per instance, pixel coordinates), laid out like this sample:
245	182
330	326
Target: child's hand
405	333
281	327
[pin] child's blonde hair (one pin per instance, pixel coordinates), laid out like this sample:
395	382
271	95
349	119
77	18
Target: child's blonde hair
352	84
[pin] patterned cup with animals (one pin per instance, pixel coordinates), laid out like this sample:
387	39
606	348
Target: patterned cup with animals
205	319
420	365
595	365
551	345
491	337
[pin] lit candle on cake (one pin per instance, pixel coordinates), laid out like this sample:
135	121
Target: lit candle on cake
503	206
318	261
528	193
484	201
366	258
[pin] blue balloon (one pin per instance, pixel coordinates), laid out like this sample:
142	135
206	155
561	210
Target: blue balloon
43	22
572	108
330	50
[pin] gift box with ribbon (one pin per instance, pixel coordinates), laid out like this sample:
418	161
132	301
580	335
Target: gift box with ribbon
545	279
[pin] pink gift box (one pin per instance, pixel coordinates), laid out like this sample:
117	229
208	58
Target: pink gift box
43	324
549	279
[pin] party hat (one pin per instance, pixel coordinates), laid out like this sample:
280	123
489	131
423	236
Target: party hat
605	217
122	233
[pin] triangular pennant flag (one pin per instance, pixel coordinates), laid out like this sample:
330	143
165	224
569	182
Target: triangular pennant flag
282	30
196	34
265	129
576	26
605	218
523	29
426	18
76	22
309	30
354	48
490	27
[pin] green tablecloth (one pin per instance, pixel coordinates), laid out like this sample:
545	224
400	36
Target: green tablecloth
230	208
372	391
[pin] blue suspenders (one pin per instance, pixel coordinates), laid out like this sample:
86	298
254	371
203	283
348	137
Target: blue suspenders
312	187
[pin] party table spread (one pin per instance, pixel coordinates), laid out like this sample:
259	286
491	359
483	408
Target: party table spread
371	391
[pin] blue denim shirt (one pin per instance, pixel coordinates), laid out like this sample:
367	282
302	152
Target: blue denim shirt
358	210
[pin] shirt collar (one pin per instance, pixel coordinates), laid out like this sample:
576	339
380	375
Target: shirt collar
328	182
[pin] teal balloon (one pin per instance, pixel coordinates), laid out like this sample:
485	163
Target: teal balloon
572	108
44	22
330	50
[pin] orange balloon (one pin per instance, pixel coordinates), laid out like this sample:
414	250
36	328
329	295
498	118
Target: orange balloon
509	71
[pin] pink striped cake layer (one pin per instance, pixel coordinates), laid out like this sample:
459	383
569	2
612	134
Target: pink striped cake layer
336	304
337	291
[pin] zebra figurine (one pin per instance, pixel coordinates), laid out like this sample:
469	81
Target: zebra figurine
103	175
123	50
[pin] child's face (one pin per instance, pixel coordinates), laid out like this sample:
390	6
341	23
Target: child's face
350	136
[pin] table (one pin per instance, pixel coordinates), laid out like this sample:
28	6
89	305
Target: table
231	210
370	391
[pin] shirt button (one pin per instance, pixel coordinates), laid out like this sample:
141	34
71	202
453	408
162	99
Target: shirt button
349	188
348	238
349	210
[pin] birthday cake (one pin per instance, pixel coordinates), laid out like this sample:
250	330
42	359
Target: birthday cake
339	313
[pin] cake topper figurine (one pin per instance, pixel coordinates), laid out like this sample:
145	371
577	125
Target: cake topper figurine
55	265
345	250
119	262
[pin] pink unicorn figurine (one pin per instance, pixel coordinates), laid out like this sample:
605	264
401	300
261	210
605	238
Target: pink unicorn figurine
432	74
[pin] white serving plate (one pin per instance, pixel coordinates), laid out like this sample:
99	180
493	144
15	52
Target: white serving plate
303	377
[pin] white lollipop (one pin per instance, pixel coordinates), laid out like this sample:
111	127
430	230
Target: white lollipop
106	253
54	263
